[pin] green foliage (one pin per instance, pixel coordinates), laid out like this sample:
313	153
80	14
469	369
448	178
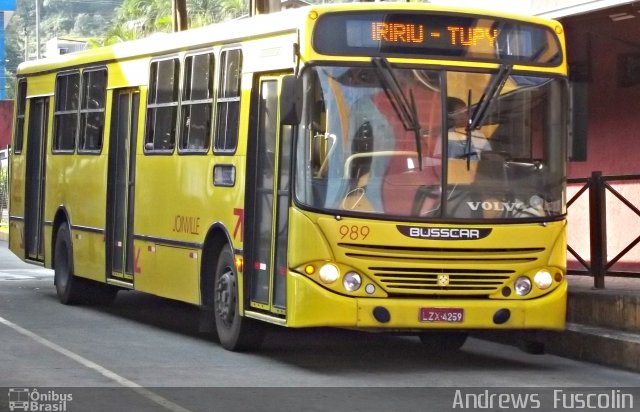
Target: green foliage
58	18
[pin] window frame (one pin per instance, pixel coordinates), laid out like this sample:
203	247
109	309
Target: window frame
57	113
85	111
155	106
227	101
184	102
21	103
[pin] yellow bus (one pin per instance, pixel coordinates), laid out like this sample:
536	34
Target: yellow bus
384	167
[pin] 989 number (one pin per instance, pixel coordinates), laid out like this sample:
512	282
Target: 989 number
354	232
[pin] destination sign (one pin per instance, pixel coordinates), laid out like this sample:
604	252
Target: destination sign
442	36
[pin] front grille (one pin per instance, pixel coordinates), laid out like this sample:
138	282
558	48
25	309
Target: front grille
416	270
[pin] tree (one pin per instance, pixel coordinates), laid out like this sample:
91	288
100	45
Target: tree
179	15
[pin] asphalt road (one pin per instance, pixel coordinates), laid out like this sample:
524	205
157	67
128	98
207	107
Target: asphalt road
151	347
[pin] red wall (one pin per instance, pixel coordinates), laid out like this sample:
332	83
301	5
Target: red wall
613	132
6	120
613	138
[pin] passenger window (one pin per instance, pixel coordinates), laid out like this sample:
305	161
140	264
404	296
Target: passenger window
21	104
94	86
162	106
228	105
66	112
197	100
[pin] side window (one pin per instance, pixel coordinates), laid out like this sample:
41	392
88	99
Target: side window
66	112
162	106
197	100
94	88
21	104
228	105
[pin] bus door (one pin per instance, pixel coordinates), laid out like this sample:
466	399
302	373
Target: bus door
267	201
121	185
35	178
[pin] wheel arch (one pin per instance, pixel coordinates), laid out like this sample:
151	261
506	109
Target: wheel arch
61	218
217	238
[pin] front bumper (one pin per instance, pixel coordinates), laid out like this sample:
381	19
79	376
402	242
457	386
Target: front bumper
310	305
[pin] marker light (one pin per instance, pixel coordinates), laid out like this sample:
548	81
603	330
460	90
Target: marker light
329	273
543	279
352	281
522	286
309	270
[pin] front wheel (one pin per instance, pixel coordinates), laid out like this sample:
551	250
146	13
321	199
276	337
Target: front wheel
236	333
443	341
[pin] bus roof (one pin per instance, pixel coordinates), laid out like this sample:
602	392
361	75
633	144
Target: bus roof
229	32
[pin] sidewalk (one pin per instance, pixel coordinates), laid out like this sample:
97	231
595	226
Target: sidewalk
603	325
4	225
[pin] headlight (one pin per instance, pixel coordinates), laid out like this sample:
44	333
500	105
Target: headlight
329	273
522	286
352	281
543	279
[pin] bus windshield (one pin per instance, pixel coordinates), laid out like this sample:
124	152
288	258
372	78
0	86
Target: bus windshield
426	144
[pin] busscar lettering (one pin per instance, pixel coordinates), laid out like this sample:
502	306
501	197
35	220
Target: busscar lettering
449	233
444	233
186	224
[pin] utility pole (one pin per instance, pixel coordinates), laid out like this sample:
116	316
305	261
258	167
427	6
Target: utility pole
263	6
26	43
179	15
37	29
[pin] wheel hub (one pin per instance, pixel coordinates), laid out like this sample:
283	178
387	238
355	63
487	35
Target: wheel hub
225	302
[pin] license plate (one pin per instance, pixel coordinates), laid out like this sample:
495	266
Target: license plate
446	315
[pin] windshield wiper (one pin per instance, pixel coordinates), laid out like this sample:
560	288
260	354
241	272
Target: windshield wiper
493	89
490	92
406	107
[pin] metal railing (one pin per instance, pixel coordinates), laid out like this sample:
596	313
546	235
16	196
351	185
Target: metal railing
4	187
599	265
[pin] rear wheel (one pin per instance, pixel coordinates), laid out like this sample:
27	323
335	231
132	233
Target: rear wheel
443	341
70	288
236	333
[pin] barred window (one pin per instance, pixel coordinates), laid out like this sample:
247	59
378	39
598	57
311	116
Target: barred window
162	106
65	117
94	88
21	105
197	101
228	104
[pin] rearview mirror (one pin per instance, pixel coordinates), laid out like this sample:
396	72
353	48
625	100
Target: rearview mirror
291	100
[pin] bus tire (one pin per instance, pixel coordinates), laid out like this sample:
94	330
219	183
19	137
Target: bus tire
235	332
443	341
69	288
